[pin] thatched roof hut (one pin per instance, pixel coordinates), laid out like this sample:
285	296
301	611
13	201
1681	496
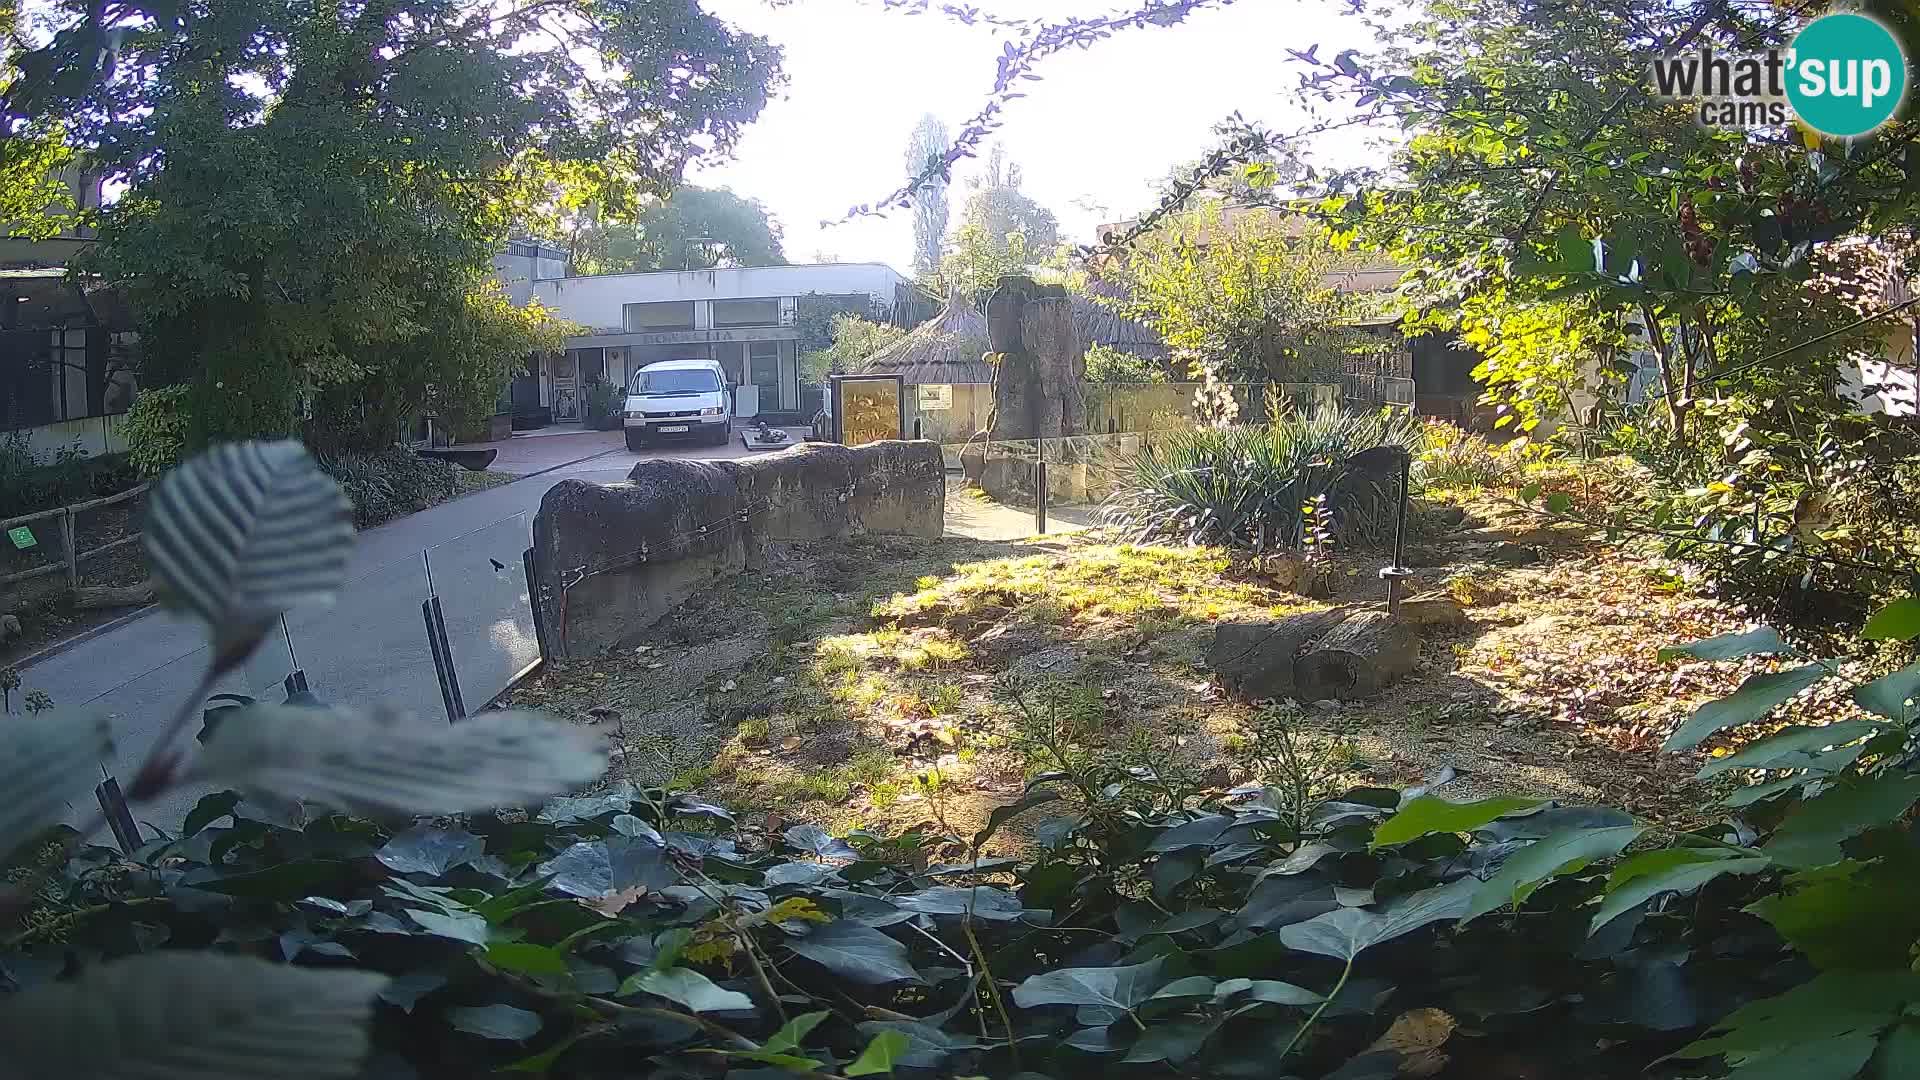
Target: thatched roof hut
949	348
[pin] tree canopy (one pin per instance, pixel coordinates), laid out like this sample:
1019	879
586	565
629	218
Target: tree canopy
930	211
313	194
695	228
999	209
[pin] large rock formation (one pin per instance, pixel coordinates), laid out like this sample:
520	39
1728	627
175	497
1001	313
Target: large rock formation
1039	368
612	559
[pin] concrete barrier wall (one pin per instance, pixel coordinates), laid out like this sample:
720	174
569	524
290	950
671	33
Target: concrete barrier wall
612	559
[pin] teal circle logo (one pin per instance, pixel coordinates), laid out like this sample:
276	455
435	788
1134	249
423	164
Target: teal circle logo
1847	75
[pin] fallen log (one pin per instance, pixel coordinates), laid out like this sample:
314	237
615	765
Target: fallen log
1361	656
112	596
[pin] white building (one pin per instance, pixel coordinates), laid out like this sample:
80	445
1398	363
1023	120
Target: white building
750	319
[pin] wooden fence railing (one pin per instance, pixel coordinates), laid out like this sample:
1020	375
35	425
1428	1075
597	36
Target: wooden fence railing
70	558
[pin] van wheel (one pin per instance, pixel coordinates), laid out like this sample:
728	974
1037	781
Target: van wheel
725	434
636	440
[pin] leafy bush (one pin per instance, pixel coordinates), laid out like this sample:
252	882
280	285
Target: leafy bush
393	484
1452	459
30	481
156	428
1247	487
1106	364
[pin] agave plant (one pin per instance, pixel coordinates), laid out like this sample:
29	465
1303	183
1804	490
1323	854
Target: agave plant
236	537
1245	487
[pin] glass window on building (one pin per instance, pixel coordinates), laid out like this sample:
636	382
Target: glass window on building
667	315
763	370
734	313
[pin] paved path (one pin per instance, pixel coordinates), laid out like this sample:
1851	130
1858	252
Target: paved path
370	648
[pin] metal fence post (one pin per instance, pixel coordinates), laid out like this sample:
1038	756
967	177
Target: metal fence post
1040	489
441	650
114	805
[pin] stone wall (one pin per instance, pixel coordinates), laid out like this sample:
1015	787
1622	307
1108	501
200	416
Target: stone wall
612	559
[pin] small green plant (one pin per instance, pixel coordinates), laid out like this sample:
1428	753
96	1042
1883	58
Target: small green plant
156	428
37	701
1299	771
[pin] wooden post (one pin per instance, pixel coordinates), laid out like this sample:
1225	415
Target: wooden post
68	549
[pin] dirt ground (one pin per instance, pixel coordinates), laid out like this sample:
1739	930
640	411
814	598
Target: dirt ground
878	682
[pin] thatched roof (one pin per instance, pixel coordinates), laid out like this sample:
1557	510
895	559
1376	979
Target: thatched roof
949	348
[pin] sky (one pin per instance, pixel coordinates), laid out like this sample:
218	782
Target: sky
1094	138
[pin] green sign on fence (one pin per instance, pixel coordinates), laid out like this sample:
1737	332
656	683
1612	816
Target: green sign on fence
22	537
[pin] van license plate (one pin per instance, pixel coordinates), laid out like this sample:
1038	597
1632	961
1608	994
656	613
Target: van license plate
673	429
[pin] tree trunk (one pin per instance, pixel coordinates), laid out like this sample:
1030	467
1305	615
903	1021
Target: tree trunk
1367	652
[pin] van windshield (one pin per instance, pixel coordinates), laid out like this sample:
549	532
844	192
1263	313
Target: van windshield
675	382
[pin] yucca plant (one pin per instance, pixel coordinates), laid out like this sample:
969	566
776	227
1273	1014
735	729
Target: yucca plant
1244	487
238	536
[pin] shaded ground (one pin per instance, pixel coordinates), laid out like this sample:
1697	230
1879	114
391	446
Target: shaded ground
887	682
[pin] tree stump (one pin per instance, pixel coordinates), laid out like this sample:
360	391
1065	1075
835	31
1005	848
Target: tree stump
112	596
1363	655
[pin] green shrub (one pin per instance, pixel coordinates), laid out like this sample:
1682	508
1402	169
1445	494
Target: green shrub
391	484
1452	459
31	481
1248	487
156	429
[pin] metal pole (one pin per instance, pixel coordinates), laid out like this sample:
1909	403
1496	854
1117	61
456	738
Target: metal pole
1040	489
1397	574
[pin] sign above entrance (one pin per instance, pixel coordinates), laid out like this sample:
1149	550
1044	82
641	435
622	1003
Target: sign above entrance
936	397
685	337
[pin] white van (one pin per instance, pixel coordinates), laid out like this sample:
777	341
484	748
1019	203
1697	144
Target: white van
679	399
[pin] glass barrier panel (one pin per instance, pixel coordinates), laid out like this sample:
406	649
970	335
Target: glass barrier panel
482	586
138	711
370	648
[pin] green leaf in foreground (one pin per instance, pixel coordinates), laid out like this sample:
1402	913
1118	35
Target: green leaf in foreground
689	988
1762	642
1888	695
1346	933
1898	621
1651	873
391	763
193	1016
503	1022
1110	987
1562	852
1791	748
244	532
46	760
1756	697
858	952
880	1055
1811	835
1432	814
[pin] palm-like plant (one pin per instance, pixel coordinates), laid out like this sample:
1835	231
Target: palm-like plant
1245	487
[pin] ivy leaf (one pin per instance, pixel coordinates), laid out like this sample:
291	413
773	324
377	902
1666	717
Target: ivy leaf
1756	697
460	926
1111	987
1559	502
820	843
243	533
1003	814
208	810
790	1035
1898	621
1651	873
1432	814
405	991
1832	1005
881	1054
1347	932
1888	695
1762	642
526	958
46	760
858	952
1171	1041
689	988
426	850
1811	835
387	763
193	1016
1842	916
1563	852
503	1022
